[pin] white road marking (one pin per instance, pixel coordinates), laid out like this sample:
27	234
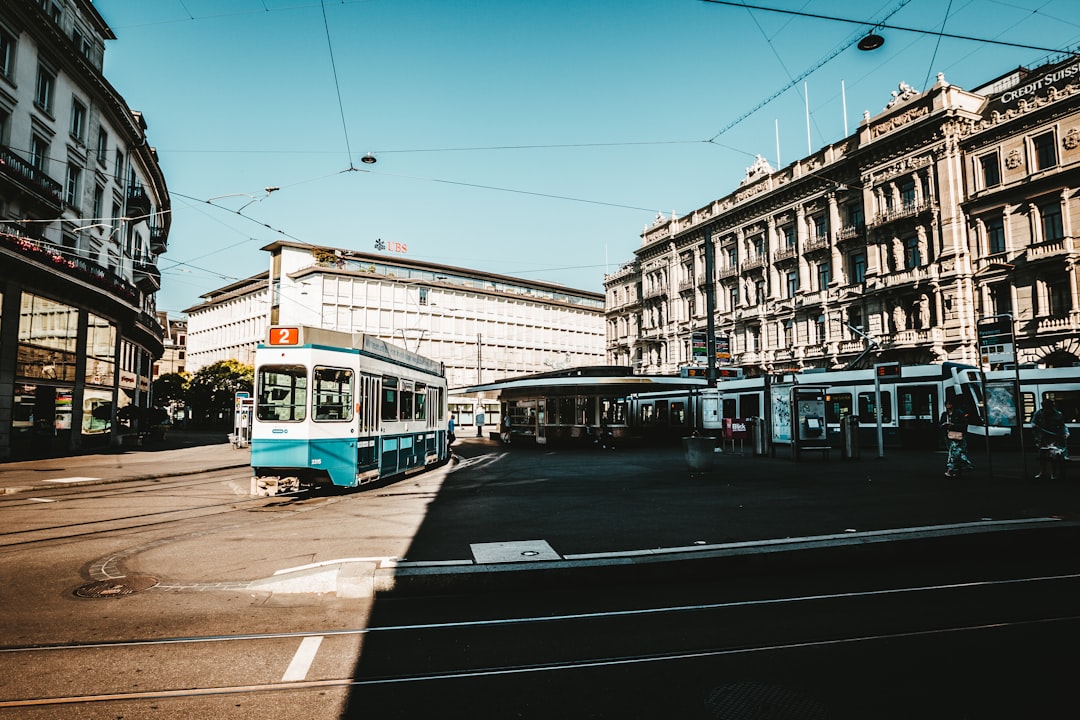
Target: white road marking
301	662
76	479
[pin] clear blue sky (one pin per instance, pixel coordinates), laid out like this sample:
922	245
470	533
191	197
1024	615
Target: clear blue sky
530	138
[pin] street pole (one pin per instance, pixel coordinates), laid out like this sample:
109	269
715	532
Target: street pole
710	309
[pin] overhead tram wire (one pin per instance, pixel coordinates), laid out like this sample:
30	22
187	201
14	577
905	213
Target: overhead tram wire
937	46
886	26
337	85
805	73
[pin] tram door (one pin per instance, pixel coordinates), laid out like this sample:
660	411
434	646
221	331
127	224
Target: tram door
541	421
917	413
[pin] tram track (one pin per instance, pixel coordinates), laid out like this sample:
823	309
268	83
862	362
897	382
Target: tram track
645	637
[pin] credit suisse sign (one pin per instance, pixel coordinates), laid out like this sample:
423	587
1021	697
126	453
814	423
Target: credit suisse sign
1056	78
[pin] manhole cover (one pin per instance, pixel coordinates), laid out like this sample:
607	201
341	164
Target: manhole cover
116	588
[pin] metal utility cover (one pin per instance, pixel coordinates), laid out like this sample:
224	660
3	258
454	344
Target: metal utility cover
520	551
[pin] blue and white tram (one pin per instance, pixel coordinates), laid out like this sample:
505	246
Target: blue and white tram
911	403
1061	384
343	409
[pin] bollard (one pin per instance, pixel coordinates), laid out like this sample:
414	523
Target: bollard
699	452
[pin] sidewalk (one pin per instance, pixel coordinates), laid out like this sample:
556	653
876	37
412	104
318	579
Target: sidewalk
182	452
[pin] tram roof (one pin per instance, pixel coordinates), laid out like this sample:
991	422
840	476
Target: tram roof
613	379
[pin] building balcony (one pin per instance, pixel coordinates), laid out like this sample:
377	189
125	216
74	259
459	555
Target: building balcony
727	271
74	267
907	210
31	181
907	277
1058	324
917	338
686	284
845	347
815	243
753	263
1051	250
654	292
159	239
787	253
138	203
849	233
147	276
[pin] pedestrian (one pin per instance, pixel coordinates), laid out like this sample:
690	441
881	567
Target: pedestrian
450	437
1051	437
480	424
955	421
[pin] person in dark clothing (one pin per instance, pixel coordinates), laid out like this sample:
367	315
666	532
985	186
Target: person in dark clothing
1051	437
955	421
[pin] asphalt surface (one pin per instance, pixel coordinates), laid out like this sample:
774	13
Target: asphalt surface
498	516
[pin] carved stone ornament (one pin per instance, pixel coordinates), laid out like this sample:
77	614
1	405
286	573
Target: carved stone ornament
1013	159
1071	139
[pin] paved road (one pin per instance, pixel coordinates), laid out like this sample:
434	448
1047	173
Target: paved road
498	513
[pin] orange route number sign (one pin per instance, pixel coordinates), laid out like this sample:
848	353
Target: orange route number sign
285	336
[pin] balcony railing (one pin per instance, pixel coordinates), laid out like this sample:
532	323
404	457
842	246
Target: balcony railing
147	276
850	232
785	254
753	263
22	172
75	267
655	291
158	239
815	242
138	202
906	210
1058	324
1054	248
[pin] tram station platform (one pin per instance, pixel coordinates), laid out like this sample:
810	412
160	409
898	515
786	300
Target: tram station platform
499	515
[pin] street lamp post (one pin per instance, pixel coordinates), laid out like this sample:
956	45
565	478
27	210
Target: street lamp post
710	309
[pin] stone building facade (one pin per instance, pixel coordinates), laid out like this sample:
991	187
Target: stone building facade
84	216
948	207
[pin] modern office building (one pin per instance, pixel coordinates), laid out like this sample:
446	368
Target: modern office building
944	210
84	214
482	326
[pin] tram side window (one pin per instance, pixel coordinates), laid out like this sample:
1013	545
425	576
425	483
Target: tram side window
566	411
1067	403
867	411
406	401
389	409
333	393
837	405
421	401
586	411
613	410
282	393
678	413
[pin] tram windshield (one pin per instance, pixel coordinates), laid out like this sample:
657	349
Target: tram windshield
282	393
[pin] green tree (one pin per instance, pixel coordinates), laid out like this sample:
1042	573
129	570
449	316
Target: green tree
212	391
171	388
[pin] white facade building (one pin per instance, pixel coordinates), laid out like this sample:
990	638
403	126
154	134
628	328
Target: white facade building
482	326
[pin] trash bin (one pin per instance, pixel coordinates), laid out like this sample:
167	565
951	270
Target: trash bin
849	437
699	452
761	443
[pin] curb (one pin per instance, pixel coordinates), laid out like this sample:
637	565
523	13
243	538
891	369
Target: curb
934	544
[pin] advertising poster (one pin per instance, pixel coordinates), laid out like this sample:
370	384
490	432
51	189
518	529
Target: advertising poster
781	414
